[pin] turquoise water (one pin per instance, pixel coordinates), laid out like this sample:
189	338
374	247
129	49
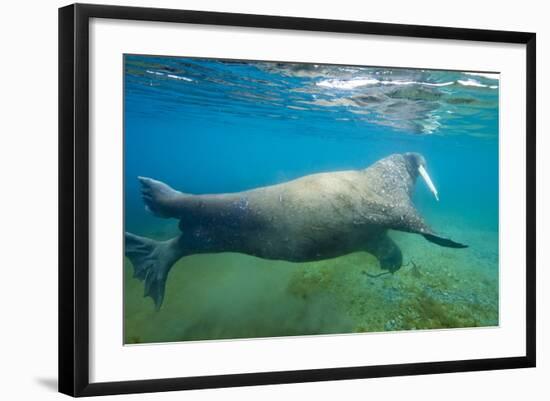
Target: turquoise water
215	126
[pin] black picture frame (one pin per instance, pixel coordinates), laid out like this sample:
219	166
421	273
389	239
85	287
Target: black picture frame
74	198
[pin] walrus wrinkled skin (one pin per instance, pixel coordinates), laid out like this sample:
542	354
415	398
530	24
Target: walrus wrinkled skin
315	217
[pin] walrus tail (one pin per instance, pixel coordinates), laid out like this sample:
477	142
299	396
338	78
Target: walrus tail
152	261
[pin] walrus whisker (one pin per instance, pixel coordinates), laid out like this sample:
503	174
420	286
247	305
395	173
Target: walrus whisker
377	275
388	272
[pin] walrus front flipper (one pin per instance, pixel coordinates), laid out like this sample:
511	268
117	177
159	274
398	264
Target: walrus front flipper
152	261
411	221
446	242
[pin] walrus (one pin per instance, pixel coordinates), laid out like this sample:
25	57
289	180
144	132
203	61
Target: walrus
314	217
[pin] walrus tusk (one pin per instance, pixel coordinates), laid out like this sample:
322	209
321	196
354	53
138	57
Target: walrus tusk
428	181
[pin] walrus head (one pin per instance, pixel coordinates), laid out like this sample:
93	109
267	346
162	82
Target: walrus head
416	164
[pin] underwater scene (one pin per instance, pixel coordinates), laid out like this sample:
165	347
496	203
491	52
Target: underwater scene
267	199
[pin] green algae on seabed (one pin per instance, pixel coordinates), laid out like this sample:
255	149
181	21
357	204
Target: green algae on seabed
230	295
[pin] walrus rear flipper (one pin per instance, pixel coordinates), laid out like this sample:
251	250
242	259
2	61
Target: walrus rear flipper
446	242
152	261
158	197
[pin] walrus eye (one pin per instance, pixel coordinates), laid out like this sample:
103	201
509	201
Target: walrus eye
428	181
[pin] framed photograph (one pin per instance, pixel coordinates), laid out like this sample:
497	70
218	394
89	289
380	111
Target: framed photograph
250	199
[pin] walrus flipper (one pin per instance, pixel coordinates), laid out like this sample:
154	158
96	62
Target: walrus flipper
446	242
410	221
387	252
414	223
158	197
152	261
